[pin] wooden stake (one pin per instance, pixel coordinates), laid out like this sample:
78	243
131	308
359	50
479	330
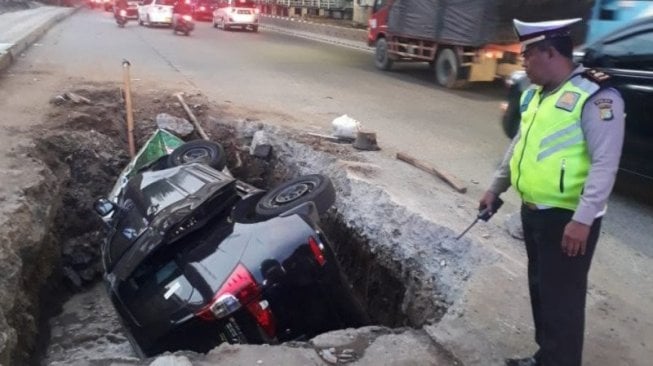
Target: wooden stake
449	179
129	111
190	114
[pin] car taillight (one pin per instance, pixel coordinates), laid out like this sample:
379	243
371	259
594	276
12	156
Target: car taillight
240	290
317	249
123	13
187	18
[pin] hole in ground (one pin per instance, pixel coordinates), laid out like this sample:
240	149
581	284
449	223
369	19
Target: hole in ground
86	155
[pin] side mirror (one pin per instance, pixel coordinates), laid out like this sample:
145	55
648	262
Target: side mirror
104	207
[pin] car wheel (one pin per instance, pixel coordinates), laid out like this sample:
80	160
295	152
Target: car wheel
447	69
199	151
316	187
140	21
381	59
215	25
255	28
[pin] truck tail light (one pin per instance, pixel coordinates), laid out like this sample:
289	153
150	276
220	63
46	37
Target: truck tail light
317	249
240	290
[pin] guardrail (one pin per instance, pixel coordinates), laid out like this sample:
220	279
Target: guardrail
317	4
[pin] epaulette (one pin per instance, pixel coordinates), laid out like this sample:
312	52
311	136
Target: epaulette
597	76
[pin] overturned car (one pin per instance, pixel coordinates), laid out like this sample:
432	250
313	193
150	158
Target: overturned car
194	257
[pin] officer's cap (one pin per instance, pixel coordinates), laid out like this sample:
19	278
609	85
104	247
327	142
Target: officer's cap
531	33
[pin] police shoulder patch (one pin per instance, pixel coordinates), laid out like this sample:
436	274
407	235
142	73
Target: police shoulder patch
597	76
568	101
605	109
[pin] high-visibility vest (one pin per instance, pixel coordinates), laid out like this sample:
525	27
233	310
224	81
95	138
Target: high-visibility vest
550	162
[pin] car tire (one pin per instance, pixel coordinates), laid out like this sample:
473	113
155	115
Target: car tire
255	28
199	151
315	187
215	25
140	21
381	59
448	69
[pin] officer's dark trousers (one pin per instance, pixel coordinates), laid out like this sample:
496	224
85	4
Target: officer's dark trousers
557	285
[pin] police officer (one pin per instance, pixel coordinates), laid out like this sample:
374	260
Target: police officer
562	162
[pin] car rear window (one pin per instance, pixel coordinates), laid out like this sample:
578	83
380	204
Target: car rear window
243	4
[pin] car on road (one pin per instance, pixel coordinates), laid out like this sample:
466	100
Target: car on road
132	9
627	55
231	14
203	9
194	257
155	12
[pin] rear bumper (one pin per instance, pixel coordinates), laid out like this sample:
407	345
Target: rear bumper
161	19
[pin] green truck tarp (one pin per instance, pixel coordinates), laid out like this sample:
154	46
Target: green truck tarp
159	144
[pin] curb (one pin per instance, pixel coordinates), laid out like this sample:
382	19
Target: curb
14	51
326	33
346	33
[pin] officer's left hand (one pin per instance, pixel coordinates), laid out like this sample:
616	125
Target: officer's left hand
574	240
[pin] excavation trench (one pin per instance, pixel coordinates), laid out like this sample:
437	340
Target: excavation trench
399	283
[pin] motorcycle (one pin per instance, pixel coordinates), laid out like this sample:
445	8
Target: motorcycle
183	24
121	18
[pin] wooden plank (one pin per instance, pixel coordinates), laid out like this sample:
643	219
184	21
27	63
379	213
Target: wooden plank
192	117
327	137
447	178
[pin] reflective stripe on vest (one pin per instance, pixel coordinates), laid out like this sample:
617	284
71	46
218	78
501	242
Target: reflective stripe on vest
550	162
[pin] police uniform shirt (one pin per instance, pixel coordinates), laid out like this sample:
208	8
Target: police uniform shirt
602	122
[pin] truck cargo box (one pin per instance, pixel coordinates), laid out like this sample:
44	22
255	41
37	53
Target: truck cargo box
475	22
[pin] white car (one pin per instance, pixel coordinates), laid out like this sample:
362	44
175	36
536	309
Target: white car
236	13
155	12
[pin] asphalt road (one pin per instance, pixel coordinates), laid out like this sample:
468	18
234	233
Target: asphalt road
299	81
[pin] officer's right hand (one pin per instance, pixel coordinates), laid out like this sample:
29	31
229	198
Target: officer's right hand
487	200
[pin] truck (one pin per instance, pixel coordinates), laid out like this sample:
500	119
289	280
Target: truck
461	40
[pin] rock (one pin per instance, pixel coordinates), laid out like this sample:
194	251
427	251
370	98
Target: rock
77	99
72	276
260	147
328	356
171	360
58	100
179	126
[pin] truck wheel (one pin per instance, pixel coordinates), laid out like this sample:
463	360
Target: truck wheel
447	68
381	59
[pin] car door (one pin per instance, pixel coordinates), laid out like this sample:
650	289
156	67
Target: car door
142	9
628	57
